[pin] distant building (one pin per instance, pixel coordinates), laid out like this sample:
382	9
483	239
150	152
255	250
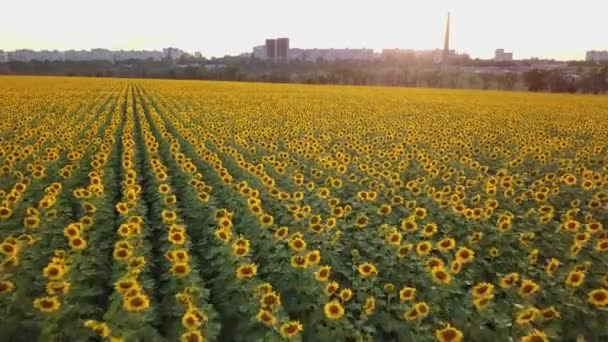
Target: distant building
282	48
271	49
276	49
198	55
330	55
172	53
596	56
501	56
3	57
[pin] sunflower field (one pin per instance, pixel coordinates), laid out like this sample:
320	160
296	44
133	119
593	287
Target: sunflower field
148	210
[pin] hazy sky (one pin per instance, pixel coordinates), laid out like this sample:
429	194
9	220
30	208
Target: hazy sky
562	29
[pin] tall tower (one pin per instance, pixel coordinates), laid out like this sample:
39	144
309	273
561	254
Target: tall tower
446	44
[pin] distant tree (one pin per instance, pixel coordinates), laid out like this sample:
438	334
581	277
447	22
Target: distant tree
507	80
536	80
486	79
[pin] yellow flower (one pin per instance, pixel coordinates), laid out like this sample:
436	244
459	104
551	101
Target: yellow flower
192	336
535	336
465	255
407	294
598	297
47	304
246	271
482	290
138	302
527	288
346	295
575	278
290	329
526	316
266	317
449	334
441	276
367	269
323	273
334	310
370	305
6	286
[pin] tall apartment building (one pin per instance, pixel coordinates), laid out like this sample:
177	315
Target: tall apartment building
277	49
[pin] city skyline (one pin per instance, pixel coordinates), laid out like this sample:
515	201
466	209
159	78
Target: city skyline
541	29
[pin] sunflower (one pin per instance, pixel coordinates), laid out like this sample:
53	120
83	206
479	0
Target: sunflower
602	245
266	220
429	230
136	303
180	269
331	288
526	316
422	309
223	234
535	336
299	261
410	315
192	336
266	317
313	257
446	244
297	244
290	329
333	310
362	221
441	276
527	288
246	271
549	313
433	262
420	213
575	278
449	334
6	286
190	320
281	233
31	222
508	280
240	250
9	249
424	248
394	238
53	271
407	294
57	287
346	294
5	213
367	270
482	290
122	254
370	305
47	304
598	297
465	255
323	273
127	284
404	250
482	302
270	300
77	243
169	216
552	267
409	225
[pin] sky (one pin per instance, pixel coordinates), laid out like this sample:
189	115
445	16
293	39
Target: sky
560	29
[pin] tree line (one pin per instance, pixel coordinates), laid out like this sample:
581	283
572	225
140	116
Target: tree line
408	71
